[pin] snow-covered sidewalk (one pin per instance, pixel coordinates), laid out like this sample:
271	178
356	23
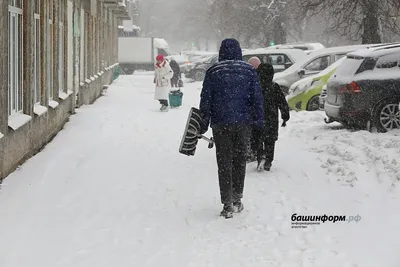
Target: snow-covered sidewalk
111	190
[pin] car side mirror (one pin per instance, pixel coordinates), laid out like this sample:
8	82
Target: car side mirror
302	72
288	65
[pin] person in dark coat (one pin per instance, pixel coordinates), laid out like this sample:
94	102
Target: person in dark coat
274	101
231	103
177	73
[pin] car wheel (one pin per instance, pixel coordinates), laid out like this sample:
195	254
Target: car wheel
386	115
199	75
313	104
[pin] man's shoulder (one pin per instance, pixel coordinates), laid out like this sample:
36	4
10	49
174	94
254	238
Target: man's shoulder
231	64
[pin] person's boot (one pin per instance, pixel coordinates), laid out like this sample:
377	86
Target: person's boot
267	166
238	206
227	211
164	108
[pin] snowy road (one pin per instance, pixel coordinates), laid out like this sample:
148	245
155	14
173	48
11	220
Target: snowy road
111	190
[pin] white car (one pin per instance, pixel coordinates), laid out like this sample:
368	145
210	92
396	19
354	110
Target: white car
280	59
307	82
316	62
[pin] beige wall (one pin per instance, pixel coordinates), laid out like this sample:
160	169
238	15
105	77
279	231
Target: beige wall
19	143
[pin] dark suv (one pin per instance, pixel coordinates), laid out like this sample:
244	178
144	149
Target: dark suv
197	71
365	89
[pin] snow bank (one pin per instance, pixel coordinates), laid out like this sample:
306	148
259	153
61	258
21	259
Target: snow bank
126	197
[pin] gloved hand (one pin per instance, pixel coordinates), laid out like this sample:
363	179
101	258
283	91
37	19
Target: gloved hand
203	130
284	124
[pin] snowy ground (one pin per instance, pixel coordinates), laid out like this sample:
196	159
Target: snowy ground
111	190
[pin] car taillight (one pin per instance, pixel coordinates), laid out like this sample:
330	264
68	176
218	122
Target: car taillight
350	88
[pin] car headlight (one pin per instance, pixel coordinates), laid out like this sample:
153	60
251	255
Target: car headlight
316	83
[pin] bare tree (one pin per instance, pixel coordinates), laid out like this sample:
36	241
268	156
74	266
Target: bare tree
363	20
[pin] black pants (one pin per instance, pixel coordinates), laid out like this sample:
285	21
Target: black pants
231	145
164	102
266	150
252	142
174	81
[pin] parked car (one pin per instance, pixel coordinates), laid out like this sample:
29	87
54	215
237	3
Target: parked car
281	59
200	58
182	60
305	96
322	98
316	62
197	71
365	90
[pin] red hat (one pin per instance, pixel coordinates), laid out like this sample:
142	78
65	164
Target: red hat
160	57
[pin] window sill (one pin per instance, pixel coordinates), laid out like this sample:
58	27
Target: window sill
88	81
63	95
96	76
92	78
82	84
70	92
18	120
1	135
39	110
53	104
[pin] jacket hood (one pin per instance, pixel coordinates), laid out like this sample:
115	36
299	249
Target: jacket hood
266	73
230	50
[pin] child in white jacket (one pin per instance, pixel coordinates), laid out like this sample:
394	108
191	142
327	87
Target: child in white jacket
163	74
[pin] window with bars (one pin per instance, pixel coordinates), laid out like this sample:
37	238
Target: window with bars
15	57
36	53
50	52
61	47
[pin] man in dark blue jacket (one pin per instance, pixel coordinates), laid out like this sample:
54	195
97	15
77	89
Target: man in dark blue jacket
231	103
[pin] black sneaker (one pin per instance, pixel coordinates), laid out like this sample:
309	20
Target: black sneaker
238	207
227	211
267	166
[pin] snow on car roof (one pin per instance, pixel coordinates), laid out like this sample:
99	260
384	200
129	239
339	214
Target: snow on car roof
376	51
310	46
296	54
336	49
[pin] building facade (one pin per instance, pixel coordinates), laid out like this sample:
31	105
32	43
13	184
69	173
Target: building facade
56	55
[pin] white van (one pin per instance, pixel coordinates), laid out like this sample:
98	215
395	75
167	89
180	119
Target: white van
315	62
280	59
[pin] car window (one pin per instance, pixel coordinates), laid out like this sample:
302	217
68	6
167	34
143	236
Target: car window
339	56
273	59
388	61
318	64
279	59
